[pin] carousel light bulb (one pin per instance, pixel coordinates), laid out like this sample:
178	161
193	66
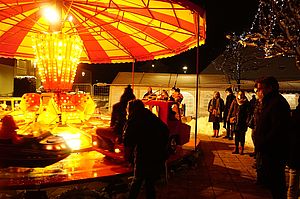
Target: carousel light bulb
70	18
51	15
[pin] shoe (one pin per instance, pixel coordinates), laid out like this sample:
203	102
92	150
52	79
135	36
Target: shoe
252	154
242	153
213	136
235	152
217	136
230	138
225	137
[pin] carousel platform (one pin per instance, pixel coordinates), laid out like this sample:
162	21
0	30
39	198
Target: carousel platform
79	167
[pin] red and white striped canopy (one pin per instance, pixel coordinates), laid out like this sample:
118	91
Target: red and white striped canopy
111	30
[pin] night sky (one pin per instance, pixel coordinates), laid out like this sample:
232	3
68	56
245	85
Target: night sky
222	17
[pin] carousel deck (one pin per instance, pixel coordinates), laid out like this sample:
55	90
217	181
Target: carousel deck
77	168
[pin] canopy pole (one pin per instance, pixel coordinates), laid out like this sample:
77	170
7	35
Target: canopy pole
132	74
197	80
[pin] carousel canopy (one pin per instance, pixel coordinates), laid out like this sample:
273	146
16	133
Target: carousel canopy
110	31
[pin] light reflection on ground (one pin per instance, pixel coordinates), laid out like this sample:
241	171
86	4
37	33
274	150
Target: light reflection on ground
77	166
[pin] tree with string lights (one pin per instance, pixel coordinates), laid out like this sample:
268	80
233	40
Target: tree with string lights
238	58
276	29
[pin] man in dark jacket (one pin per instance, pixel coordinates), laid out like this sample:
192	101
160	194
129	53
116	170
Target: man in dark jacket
230	97
294	160
272	136
148	136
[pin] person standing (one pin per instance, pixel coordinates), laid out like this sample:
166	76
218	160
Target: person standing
118	115
215	109
239	112
176	95
253	104
260	177
229	98
294	160
272	136
148	136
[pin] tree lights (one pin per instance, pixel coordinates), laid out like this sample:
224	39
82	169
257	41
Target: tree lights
238	58
276	28
275	31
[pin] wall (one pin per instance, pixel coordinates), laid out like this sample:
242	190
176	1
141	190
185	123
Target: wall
7	80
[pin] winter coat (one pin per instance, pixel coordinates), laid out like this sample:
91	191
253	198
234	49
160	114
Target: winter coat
228	102
254	118
148	135
215	109
240	110
118	118
294	154
273	126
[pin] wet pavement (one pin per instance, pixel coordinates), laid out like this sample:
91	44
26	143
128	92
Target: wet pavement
213	172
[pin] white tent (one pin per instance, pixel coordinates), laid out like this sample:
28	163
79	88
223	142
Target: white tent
210	80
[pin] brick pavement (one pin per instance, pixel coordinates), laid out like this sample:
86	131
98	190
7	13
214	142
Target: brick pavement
217	174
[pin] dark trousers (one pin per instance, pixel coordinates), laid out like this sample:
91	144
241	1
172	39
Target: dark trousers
239	137
274	170
216	125
227	126
260	174
136	186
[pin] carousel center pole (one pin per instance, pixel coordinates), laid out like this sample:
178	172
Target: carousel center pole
132	74
197	81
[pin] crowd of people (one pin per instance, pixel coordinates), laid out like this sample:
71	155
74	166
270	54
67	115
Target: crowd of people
275	133
163	95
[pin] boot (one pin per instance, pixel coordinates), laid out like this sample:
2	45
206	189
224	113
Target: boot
217	133
214	134
231	135
236	151
242	150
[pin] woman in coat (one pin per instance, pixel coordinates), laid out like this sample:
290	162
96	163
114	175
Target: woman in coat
148	137
215	109
238	117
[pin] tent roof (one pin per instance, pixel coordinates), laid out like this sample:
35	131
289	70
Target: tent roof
168	80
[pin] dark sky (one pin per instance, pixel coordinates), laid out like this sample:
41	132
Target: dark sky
222	17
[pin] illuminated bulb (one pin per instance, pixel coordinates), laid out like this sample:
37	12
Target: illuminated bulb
51	15
95	143
70	18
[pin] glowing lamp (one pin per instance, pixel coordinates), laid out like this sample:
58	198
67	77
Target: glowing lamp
57	57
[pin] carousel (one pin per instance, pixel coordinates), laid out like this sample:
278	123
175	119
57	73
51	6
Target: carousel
58	127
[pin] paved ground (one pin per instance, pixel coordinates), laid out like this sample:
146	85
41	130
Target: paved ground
216	173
